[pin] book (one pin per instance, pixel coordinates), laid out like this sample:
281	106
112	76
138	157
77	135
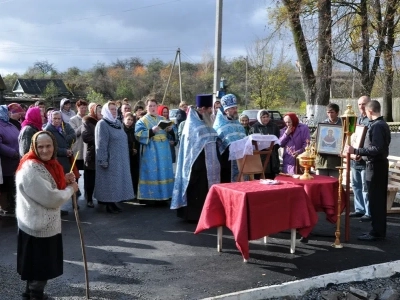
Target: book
164	124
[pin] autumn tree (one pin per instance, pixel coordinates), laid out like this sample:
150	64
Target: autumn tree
268	74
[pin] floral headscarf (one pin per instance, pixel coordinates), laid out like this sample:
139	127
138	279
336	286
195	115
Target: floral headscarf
50	115
93	110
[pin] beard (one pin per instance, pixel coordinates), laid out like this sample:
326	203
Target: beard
234	116
207	119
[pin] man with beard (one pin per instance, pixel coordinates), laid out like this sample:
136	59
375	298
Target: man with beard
229	130
197	166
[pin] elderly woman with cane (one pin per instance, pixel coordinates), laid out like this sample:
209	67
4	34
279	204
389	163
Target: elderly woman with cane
42	187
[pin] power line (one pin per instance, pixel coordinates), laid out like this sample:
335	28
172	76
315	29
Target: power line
98	16
186	55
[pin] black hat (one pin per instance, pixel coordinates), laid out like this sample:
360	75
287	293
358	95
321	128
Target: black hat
204	100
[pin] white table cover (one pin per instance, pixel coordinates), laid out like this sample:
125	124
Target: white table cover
238	149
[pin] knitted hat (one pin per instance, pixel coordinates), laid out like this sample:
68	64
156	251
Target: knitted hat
204	100
228	101
15	108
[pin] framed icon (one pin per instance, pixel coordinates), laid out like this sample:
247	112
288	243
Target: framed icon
329	139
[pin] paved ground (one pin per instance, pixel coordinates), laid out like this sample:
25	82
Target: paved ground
146	252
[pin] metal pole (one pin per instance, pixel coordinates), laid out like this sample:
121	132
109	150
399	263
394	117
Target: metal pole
245	93
217	54
180	75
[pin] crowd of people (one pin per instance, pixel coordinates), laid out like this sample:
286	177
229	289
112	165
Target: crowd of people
133	151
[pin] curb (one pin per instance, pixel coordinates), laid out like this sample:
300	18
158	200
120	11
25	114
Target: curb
300	287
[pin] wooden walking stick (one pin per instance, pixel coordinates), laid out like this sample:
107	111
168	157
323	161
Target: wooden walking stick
78	223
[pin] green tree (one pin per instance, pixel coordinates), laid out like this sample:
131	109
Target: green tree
50	92
268	79
10	80
95	97
124	90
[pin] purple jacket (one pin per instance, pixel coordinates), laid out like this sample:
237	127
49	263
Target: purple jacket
9	149
293	143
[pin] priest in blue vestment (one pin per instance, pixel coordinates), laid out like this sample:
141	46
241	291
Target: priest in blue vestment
197	164
229	130
156	177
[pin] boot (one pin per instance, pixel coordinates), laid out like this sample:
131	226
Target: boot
38	295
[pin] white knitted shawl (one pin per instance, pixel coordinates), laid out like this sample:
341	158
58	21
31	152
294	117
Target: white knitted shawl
39	200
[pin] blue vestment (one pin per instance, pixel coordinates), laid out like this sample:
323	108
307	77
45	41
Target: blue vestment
156	178
229	131
196	137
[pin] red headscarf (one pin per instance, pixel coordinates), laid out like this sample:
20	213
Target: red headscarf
33	117
52	165
160	110
295	120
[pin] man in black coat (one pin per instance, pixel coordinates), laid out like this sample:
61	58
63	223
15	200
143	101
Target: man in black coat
376	150
181	113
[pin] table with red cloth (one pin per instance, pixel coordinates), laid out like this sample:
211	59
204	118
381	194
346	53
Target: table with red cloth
252	210
323	192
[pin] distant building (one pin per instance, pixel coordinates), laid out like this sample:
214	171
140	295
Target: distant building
34	88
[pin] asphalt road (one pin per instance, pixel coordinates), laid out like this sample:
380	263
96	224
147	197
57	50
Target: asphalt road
146	252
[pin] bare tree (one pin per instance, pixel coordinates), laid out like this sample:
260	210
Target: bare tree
44	67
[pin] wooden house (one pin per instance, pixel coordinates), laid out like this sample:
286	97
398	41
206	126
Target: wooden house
29	88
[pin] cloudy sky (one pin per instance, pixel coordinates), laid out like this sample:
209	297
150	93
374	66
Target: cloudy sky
83	32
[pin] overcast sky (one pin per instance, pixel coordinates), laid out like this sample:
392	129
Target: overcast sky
83	32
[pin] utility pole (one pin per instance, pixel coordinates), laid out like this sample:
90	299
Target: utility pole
217	52
180	75
247	69
178	55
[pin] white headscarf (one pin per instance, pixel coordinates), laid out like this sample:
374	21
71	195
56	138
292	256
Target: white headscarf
105	111
260	114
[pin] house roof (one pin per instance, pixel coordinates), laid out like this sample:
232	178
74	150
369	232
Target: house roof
37	86
2	84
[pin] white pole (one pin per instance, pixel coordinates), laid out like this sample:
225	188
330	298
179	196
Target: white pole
180	74
245	93
217	54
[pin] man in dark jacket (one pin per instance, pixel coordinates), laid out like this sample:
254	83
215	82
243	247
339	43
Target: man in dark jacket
181	113
376	149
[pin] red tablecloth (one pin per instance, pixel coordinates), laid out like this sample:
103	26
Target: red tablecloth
252	210
323	192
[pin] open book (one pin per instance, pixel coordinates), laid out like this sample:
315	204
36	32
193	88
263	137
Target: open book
164	124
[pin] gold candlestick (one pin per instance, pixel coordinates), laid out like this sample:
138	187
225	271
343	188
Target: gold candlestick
337	243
